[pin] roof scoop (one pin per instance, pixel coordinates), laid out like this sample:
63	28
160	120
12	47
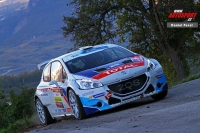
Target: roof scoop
85	48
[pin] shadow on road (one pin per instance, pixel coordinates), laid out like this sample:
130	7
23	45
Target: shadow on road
127	106
124	107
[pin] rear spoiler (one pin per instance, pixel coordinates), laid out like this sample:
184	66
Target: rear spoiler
43	64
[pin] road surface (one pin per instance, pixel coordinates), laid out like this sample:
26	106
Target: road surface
179	112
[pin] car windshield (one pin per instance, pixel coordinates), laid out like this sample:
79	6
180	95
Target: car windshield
97	59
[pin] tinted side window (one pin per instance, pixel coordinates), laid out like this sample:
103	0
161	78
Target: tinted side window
56	71
46	74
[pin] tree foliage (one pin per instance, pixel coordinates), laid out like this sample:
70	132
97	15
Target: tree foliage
29	79
16	100
141	23
16	106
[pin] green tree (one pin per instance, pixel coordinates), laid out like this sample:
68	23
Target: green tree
142	23
16	106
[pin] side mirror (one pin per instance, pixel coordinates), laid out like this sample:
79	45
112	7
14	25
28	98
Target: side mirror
64	80
53	82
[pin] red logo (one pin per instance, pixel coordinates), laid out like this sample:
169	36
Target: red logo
180	14
108	95
69	110
59	104
137	61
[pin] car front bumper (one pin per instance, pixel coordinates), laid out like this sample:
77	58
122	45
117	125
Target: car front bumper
103	98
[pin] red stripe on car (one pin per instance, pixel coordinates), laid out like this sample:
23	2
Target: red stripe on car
137	62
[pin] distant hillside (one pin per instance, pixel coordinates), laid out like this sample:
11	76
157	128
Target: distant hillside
43	18
11	12
32	34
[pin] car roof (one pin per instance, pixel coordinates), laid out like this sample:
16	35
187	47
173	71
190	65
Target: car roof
82	51
85	51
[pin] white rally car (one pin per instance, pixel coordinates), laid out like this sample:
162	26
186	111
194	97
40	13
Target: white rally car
96	78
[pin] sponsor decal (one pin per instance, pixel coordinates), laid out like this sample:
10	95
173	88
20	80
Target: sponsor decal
59	104
57	94
159	76
138	61
123	72
56	90
99	95
44	91
108	95
64	110
58	110
69	110
88	93
131	99
58	99
43	94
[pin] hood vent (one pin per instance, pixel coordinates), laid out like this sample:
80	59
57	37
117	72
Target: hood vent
100	70
127	61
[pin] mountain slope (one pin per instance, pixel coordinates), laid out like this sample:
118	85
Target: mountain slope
32	35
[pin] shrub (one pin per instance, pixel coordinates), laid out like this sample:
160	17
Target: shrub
16	106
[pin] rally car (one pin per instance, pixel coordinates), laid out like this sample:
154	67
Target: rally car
96	78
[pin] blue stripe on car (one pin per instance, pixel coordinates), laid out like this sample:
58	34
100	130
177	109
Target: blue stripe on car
161	80
90	105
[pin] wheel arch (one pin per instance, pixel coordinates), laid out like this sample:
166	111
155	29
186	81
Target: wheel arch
36	97
67	91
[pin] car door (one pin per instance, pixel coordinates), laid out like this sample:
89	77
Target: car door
43	91
59	94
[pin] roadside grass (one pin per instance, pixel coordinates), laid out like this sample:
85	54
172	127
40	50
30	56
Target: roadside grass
19	126
189	78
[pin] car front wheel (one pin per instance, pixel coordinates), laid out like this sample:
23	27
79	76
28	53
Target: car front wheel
160	95
76	105
43	113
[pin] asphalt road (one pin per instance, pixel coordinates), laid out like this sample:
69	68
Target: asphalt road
179	112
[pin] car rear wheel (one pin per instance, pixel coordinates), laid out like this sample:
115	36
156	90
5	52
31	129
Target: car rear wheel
160	95
43	113
76	105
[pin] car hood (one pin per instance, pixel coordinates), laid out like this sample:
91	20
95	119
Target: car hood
115	71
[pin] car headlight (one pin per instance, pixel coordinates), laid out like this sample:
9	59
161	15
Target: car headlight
88	84
150	65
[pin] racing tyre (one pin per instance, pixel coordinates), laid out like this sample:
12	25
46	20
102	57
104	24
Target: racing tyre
43	113
160	95
76	105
